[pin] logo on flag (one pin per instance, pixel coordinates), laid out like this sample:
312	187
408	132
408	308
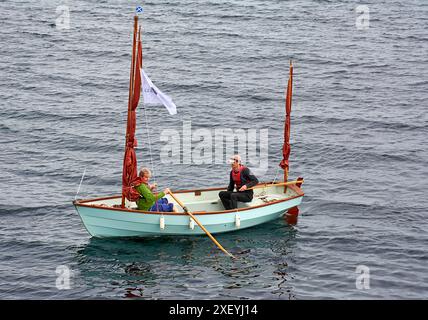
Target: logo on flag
139	9
152	95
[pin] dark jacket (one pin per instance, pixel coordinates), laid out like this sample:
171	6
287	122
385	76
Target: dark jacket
247	178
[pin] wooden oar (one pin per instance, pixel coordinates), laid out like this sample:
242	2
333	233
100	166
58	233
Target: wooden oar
200	225
276	184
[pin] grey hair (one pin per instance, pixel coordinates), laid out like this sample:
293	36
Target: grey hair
145	171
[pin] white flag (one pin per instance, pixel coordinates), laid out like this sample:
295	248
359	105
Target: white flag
152	95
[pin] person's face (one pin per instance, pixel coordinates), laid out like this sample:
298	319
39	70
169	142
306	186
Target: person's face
235	165
146	177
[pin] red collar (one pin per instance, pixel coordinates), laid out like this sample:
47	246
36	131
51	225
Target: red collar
239	169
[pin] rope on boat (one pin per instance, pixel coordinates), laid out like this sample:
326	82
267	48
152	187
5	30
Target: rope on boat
150	152
262	195
150	145
276	175
80	184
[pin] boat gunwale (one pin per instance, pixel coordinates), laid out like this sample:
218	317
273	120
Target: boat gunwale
82	203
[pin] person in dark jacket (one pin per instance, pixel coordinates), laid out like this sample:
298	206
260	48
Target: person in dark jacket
241	178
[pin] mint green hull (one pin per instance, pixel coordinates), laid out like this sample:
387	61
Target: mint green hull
104	221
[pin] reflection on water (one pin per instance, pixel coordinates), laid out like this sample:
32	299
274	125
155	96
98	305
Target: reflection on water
191	267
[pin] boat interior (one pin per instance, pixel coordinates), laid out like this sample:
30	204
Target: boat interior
206	200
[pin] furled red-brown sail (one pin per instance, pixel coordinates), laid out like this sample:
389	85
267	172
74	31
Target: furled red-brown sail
286	147
130	176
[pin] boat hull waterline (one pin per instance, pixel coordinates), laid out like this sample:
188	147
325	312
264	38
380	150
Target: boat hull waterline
103	219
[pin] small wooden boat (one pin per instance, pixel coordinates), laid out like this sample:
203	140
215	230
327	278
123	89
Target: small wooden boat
202	211
104	217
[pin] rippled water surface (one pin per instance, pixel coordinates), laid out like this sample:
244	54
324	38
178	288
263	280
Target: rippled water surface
359	130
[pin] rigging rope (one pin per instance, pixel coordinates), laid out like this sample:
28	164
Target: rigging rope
276	175
150	145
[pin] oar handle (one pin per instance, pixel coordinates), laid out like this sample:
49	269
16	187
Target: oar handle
276	184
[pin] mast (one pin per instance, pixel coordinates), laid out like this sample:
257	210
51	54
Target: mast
286	146
130	98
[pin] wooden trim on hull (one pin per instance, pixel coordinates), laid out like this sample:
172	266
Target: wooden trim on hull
83	203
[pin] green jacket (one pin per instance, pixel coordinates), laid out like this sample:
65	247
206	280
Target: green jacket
147	198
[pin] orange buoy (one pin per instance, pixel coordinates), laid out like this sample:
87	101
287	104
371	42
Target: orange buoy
291	215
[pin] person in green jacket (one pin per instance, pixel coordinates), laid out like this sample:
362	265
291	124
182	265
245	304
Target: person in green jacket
148	201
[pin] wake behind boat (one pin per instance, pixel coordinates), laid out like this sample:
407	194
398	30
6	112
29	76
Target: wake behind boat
201	209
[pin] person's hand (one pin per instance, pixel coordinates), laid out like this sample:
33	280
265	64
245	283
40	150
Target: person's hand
243	188
166	191
153	186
